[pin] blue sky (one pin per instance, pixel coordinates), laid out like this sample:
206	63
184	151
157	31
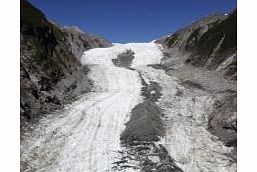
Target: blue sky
130	20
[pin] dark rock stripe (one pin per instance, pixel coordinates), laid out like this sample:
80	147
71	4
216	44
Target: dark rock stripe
124	59
142	131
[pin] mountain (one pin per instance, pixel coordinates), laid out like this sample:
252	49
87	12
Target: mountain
51	74
203	56
210	42
168	105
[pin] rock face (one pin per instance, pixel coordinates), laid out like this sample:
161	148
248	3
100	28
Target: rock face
50	72
124	59
203	56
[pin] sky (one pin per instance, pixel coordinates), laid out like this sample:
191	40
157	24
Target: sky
122	21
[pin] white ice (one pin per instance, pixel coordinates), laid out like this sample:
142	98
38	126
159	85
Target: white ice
85	137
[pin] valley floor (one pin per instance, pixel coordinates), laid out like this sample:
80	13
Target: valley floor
85	136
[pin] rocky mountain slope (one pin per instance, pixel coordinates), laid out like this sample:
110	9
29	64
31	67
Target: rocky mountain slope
203	56
50	72
210	42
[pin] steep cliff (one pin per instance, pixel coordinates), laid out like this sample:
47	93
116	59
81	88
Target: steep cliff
50	71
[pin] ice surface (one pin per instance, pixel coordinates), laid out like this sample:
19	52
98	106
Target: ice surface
85	136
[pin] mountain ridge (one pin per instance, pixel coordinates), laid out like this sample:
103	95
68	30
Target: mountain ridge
220	33
51	74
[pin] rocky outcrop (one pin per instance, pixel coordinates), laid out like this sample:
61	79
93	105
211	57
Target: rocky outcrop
124	59
50	71
203	56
